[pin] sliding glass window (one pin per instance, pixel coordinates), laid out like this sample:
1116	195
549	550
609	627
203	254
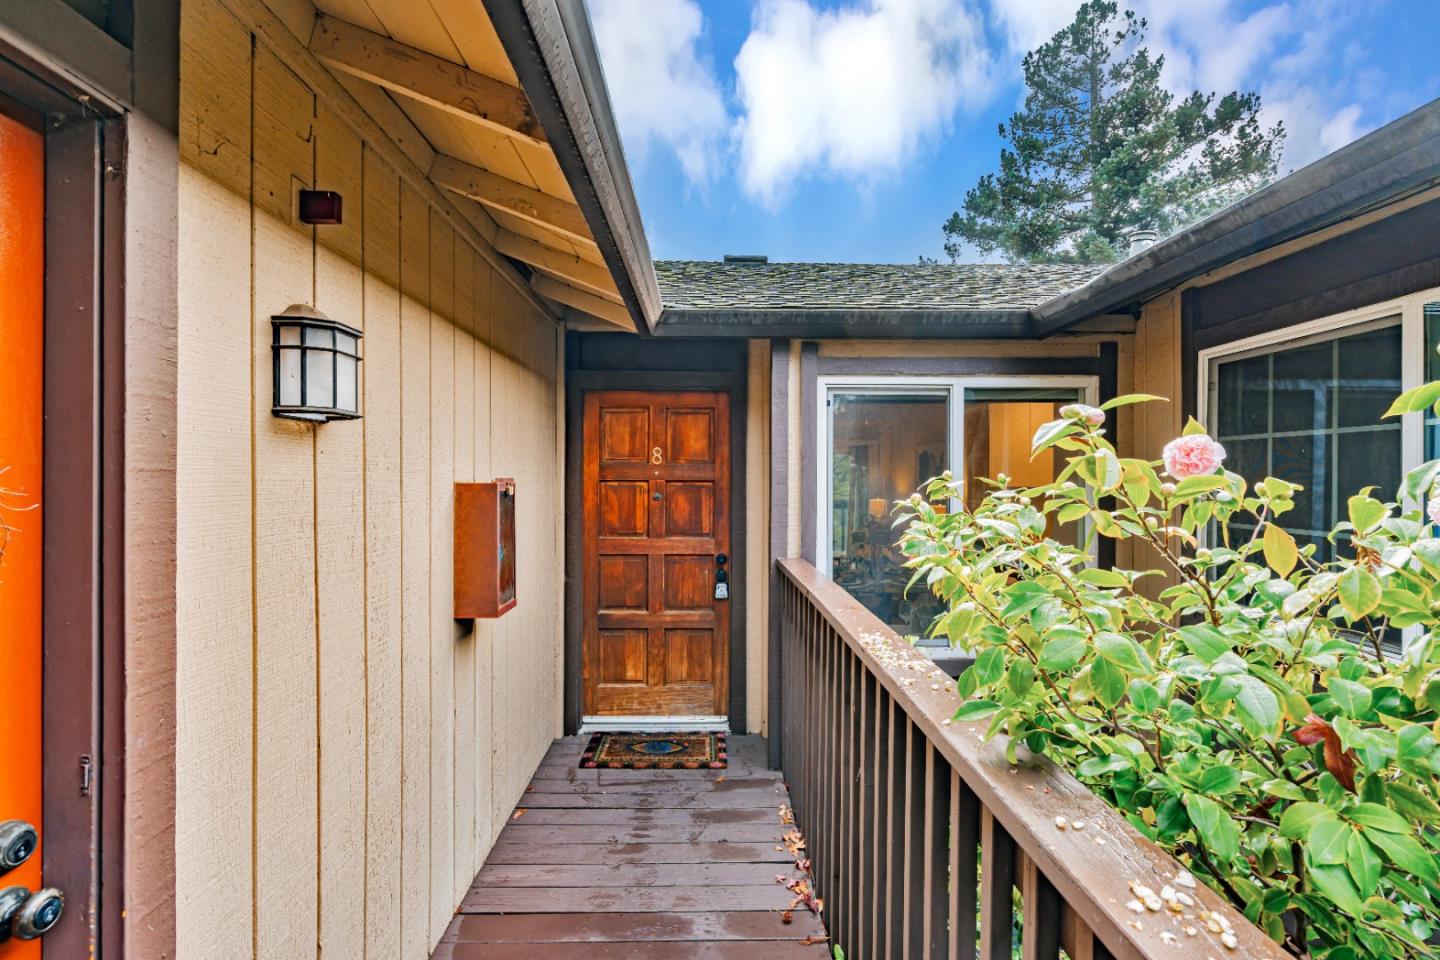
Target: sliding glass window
884	439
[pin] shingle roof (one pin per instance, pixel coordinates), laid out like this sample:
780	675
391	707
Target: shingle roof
715	285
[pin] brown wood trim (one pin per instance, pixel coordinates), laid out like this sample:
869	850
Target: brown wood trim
73	845
809	453
615	372
779	521
1108	372
51	35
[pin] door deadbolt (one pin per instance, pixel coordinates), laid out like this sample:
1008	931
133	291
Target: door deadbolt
18	840
28	916
39	914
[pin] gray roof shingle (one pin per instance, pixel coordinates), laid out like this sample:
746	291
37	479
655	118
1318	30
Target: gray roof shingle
715	285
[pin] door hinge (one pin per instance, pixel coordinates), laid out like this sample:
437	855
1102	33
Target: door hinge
86	768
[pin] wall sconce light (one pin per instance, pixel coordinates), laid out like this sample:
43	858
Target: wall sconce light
878	507
317	366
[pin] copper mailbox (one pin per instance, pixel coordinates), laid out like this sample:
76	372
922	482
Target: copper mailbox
484	549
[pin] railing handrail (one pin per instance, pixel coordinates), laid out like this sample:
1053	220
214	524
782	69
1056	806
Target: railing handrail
1092	868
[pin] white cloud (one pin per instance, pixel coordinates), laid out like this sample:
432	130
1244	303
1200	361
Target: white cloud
853	91
661	89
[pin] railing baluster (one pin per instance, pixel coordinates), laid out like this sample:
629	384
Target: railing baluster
937	854
894	818
865	835
997	880
917	791
853	728
1040	927
880	897
840	890
964	868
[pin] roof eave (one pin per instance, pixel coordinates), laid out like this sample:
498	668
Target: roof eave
1396	161
552	49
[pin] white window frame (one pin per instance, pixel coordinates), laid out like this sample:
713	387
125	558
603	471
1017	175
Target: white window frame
1409	308
1087	387
1411	311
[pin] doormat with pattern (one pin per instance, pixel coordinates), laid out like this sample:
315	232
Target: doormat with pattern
656	751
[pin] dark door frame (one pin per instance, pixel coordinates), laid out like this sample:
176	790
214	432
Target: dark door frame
83	729
634	364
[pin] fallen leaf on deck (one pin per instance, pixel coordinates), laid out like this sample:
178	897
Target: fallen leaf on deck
811	940
519	812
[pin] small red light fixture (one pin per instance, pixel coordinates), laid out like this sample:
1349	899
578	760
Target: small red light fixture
320	206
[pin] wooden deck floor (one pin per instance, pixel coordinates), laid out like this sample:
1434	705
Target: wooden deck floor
639	864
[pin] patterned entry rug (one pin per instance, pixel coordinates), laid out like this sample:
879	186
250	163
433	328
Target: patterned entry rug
651	751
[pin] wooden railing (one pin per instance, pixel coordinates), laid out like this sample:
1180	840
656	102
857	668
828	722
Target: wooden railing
918	833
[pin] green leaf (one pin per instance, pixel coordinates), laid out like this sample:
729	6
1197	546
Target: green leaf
1298	818
1194	428
1205	642
989	665
1334	883
1062	650
1327	840
1406	853
1100	577
1415	399
1050	433
1099	766
1413	748
1352	698
1144	698
1122	651
1020	677
1366	513
1128	399
1257	707
1359	592
1108	682
1377	817
976	709
1281	554
1214	826
1220	780
1363	863
1413	803
1072	512
1194	486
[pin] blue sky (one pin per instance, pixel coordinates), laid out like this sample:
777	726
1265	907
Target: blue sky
847	130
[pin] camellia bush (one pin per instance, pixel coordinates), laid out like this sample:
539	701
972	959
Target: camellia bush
1237	703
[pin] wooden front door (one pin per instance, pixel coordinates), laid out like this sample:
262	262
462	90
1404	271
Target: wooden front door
656	497
22	445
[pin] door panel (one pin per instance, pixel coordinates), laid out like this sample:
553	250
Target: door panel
22	326
656	494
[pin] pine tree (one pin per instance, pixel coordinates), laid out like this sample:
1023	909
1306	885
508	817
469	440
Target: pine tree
1101	148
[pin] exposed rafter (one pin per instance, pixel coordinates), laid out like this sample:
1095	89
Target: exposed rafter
424	77
501	193
577	272
553	289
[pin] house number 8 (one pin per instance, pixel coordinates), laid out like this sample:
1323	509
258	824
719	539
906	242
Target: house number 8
656	456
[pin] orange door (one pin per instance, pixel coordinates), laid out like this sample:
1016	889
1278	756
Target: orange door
656	538
22	339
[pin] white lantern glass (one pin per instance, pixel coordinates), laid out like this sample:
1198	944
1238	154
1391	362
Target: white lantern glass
316	366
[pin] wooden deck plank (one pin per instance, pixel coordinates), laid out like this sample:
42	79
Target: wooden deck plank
631	927
534	832
644	818
747	950
552	851
639	864
684	899
495	875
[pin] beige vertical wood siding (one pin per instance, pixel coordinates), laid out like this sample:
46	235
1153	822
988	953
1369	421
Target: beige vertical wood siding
346	750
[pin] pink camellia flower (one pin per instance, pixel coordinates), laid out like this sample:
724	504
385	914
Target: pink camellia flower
1192	456
1432	510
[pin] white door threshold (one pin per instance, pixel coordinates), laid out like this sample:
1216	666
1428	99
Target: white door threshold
694	724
